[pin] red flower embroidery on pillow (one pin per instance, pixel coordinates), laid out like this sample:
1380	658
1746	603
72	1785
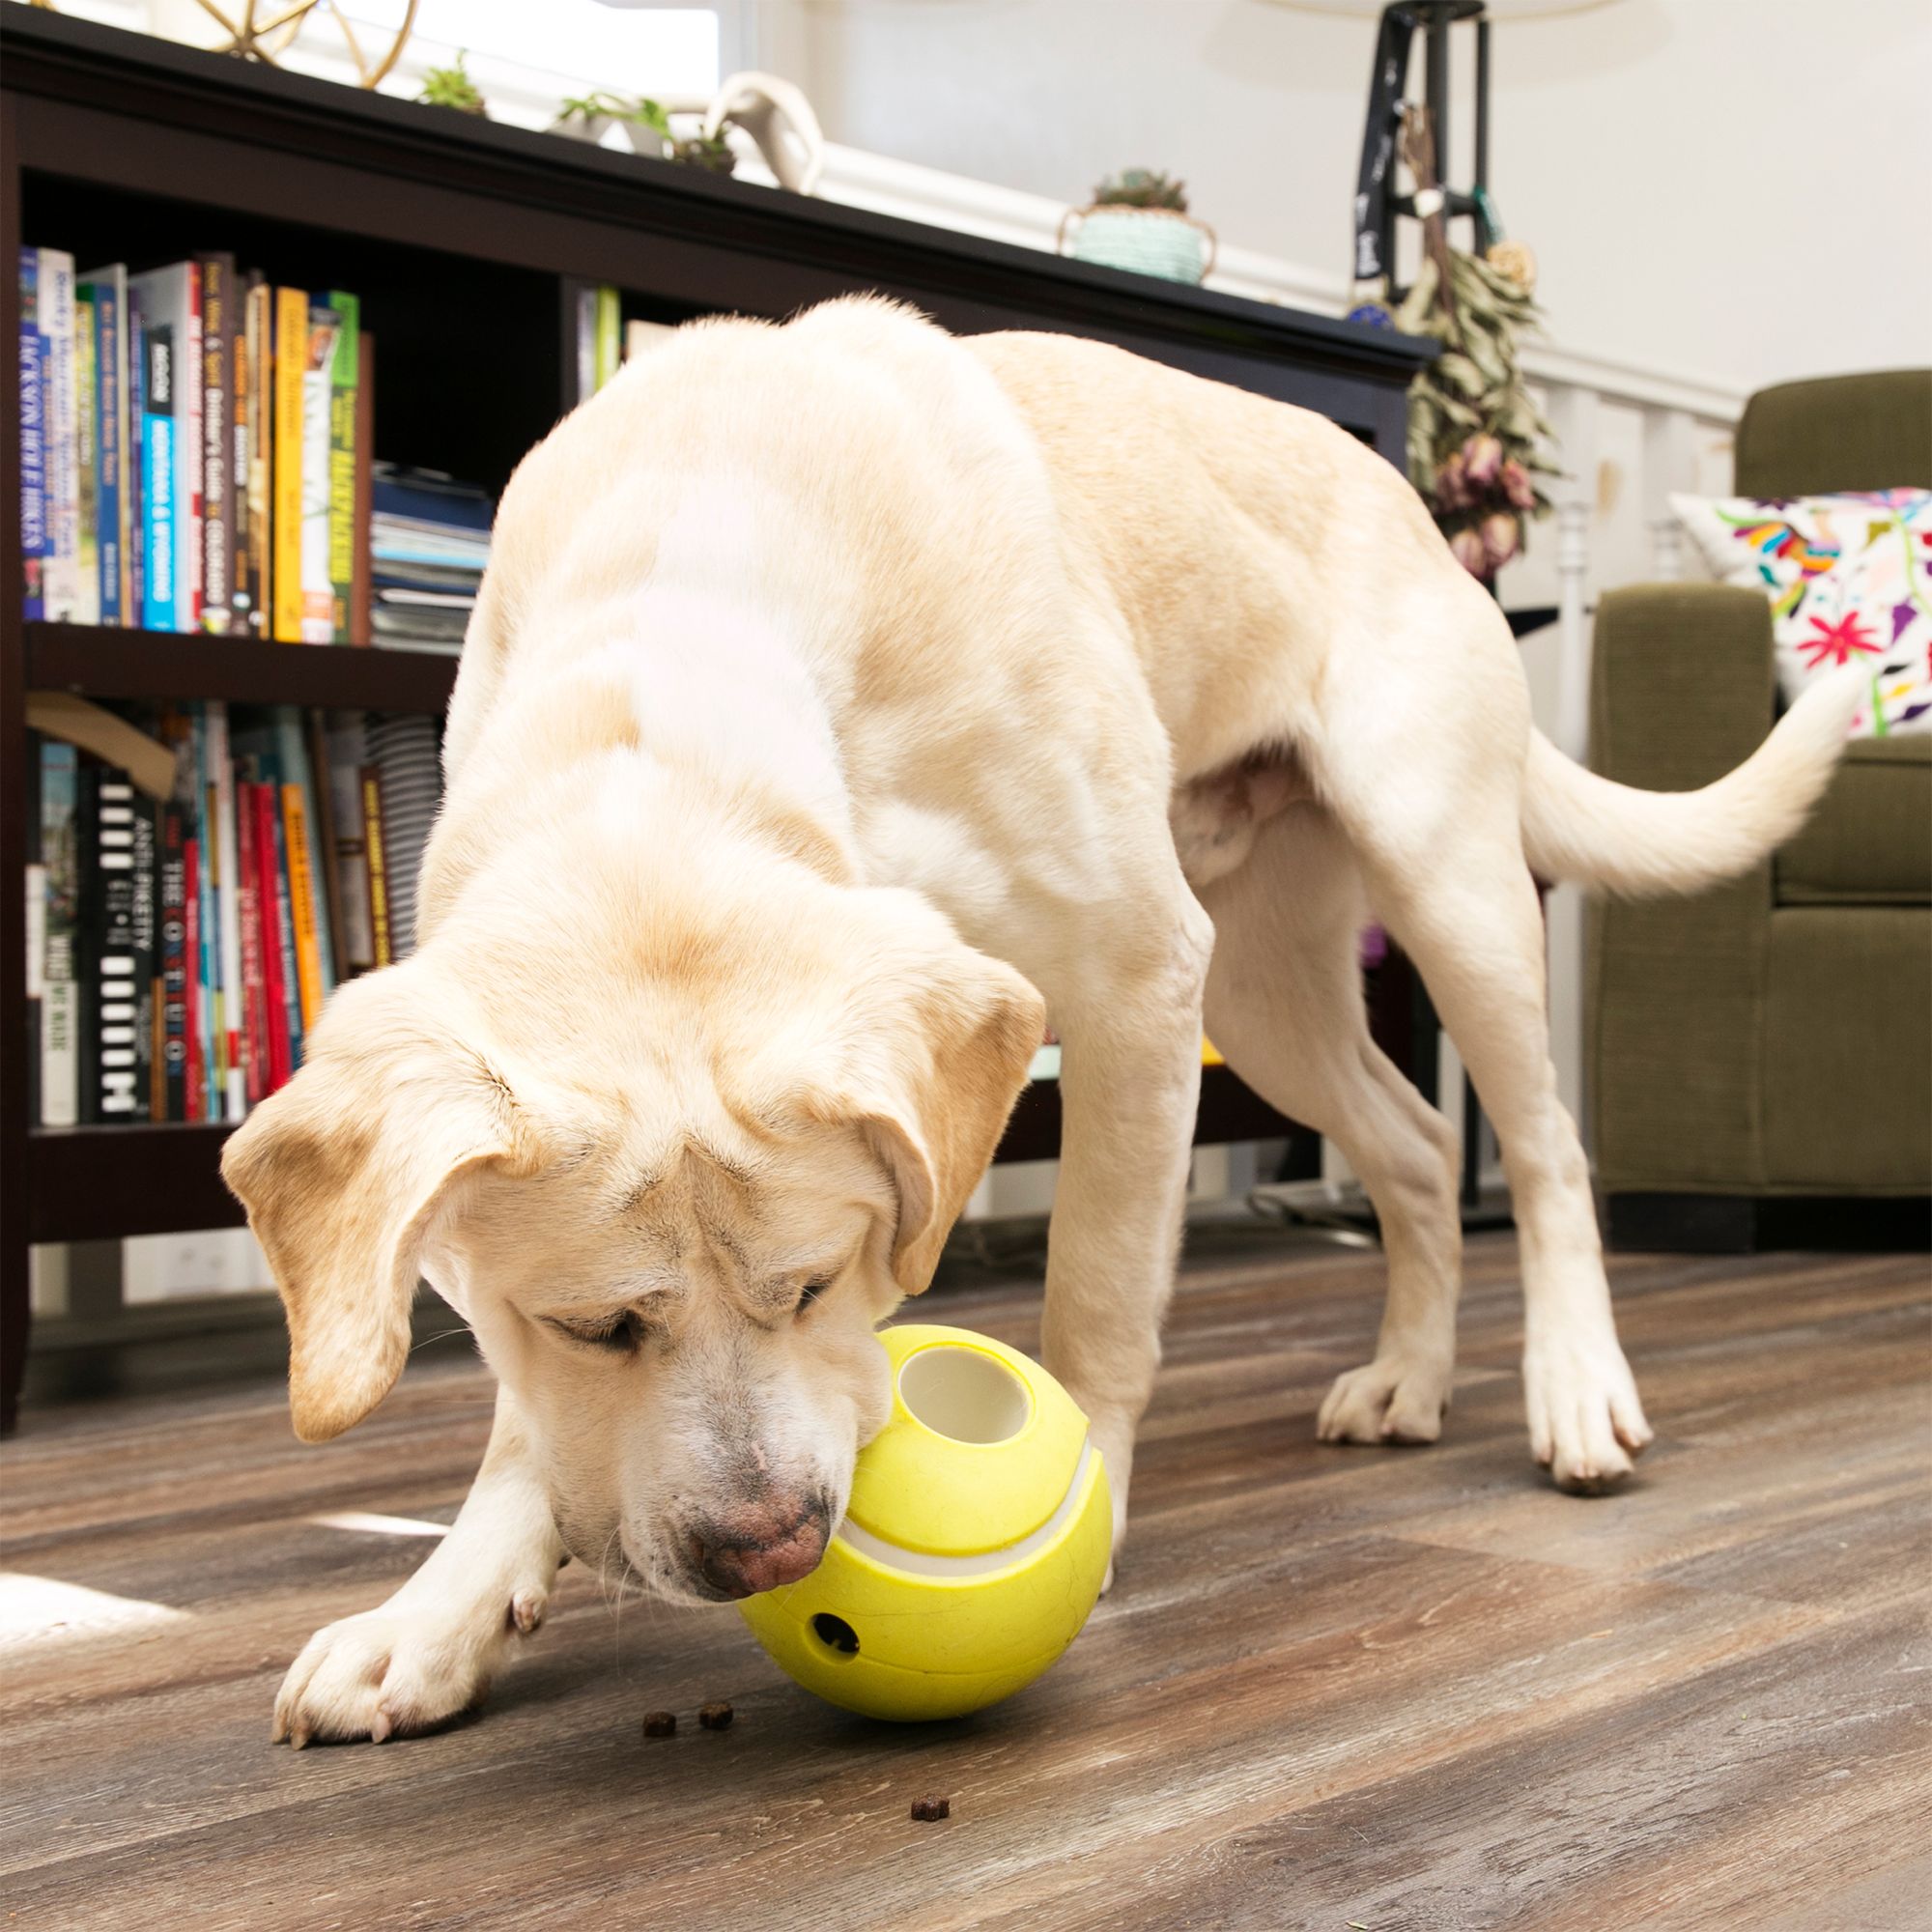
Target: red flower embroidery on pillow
1836	643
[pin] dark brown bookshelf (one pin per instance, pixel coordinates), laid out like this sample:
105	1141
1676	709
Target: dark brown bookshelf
104	662
463	240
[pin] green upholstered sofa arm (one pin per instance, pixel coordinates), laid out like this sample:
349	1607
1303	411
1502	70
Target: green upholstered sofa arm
1682	690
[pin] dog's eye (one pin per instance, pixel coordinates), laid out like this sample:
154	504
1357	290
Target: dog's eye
619	1334
810	1292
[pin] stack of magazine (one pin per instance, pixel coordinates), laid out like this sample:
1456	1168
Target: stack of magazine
430	545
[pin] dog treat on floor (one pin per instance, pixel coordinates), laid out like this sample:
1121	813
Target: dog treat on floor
715	1717
660	1723
930	1809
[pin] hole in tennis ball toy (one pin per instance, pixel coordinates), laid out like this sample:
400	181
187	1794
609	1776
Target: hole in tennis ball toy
836	1634
963	1394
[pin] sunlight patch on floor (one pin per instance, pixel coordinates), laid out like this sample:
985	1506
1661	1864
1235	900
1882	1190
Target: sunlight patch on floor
379	1525
42	1609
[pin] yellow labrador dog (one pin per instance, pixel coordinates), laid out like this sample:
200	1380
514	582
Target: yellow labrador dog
843	702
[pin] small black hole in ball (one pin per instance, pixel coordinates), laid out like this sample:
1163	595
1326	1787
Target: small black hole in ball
836	1634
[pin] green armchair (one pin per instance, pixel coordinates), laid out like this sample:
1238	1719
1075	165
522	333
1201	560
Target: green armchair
1772	1038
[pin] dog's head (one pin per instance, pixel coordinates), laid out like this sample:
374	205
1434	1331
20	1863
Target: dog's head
673	1165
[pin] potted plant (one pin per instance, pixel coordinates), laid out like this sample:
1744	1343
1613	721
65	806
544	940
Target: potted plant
648	126
451	87
1138	220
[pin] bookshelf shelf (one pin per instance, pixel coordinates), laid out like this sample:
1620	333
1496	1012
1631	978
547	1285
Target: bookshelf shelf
101	1184
108	663
466	242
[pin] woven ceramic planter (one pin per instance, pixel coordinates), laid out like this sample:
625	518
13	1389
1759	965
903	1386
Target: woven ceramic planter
1158	242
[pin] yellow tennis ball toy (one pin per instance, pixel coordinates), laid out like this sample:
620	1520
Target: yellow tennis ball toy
975	1544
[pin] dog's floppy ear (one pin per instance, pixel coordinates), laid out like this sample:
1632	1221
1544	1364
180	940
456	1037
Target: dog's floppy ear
344	1173
934	1052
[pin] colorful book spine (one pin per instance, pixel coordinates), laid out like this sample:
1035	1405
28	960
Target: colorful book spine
174	963
133	475
236	1069
302	901
63	464
241	412
87	449
216	274
108	298
35	544
610	325
160	601
291	1016
123	948
254	1001
269	905
90	920
343	371
195	1077
361	583
291	353
189	454
298	770
60	1001
374	856
260	352
318	590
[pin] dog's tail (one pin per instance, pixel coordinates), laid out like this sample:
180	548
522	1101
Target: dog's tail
1594	832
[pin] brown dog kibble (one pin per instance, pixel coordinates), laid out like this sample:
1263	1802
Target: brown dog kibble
930	1810
660	1723
715	1717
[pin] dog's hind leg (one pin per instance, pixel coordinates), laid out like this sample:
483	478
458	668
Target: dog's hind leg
1429	789
1285	1007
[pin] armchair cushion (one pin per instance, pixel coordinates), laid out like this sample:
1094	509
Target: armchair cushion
1870	841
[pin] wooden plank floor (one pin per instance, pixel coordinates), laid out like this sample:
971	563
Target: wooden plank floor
1393	1690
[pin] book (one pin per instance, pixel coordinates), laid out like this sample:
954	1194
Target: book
285	500
59	1041
175	953
271	913
87	446
404	748
301	822
271	797
258	422
133	469
217	273
609	328
120	949
318	591
253	1005
348	751
195	1082
90	920
55	303
323	846
35	544
344	369
106	289
361	630
171	452
234	1065
369	786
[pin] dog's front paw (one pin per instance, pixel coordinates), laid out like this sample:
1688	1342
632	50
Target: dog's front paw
1586	1425
1394	1399
406	1666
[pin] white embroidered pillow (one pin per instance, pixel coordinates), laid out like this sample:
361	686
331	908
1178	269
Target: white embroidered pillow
1849	577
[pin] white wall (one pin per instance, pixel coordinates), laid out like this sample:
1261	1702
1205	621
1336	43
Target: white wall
1729	188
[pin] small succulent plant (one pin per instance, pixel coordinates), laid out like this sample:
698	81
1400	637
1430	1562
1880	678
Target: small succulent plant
1141	188
713	153
451	87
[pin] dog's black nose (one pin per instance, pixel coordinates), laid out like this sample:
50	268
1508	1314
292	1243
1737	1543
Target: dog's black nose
760	1545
